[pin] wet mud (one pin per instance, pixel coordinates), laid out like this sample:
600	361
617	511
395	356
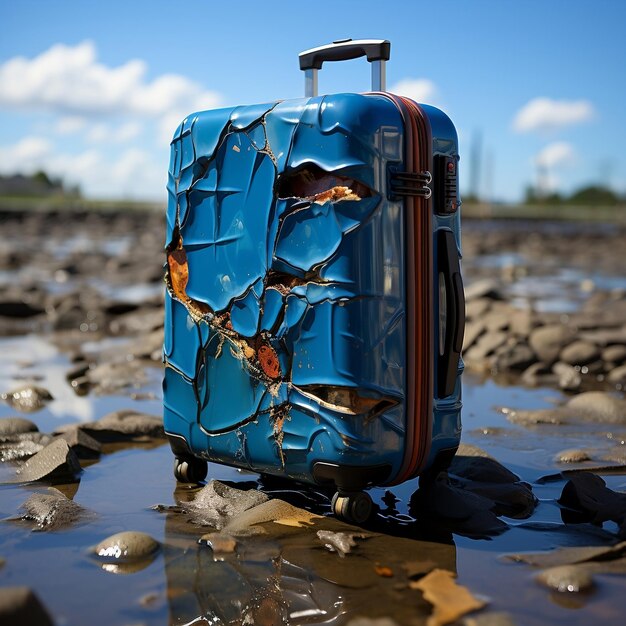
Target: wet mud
527	526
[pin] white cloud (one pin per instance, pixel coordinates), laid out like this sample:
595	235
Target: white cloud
105	133
418	89
69	125
544	114
132	173
25	156
557	154
69	80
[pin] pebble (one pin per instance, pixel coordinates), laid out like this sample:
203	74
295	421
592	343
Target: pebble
548	341
10	426
614	354
617	375
580	353
566	579
572	456
569	377
20	606
126	546
27	399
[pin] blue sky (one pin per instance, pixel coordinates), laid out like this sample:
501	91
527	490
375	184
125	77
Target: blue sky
92	91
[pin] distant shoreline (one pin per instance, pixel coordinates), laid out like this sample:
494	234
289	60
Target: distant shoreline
59	204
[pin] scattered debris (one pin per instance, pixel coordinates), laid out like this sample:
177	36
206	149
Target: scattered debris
339	542
450	600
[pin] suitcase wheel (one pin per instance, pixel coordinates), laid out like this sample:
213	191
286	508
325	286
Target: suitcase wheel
355	507
190	470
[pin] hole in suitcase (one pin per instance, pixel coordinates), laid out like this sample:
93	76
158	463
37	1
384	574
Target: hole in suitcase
312	183
178	277
347	400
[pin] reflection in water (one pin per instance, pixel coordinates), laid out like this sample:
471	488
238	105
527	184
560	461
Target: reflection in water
287	576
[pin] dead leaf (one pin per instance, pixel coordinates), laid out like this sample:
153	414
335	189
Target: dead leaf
450	601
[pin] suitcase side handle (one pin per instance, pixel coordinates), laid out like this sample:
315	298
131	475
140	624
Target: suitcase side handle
451	343
377	52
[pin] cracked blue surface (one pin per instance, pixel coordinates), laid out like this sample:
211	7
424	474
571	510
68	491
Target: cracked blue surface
301	301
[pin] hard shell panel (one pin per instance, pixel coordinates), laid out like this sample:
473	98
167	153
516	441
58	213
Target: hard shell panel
286	265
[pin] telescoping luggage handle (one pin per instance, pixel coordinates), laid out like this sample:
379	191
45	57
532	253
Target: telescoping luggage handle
377	52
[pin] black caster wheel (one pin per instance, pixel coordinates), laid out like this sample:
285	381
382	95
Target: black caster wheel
354	508
190	470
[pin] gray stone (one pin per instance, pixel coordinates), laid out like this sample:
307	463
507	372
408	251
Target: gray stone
126	546
56	459
85	446
589	407
477	308
10	426
120	426
538	374
484	288
614	354
216	504
617	375
495	321
516	357
19	606
23	448
569	377
566	578
572	455
473	463
580	353
521	322
27	399
485	346
473	330
548	341
51	510
605	337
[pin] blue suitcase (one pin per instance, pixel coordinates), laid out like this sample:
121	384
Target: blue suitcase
314	311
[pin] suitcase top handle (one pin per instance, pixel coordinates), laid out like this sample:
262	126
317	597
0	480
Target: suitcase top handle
377	52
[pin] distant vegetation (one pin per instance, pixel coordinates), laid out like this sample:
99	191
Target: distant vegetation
38	185
591	195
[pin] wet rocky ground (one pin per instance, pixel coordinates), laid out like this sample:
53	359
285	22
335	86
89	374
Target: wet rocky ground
527	526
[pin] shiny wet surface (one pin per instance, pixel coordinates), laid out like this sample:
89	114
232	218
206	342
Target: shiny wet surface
286	575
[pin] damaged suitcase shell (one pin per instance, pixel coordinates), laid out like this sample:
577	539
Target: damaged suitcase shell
314	310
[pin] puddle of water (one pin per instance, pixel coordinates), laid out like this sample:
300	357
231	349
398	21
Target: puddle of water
32	359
